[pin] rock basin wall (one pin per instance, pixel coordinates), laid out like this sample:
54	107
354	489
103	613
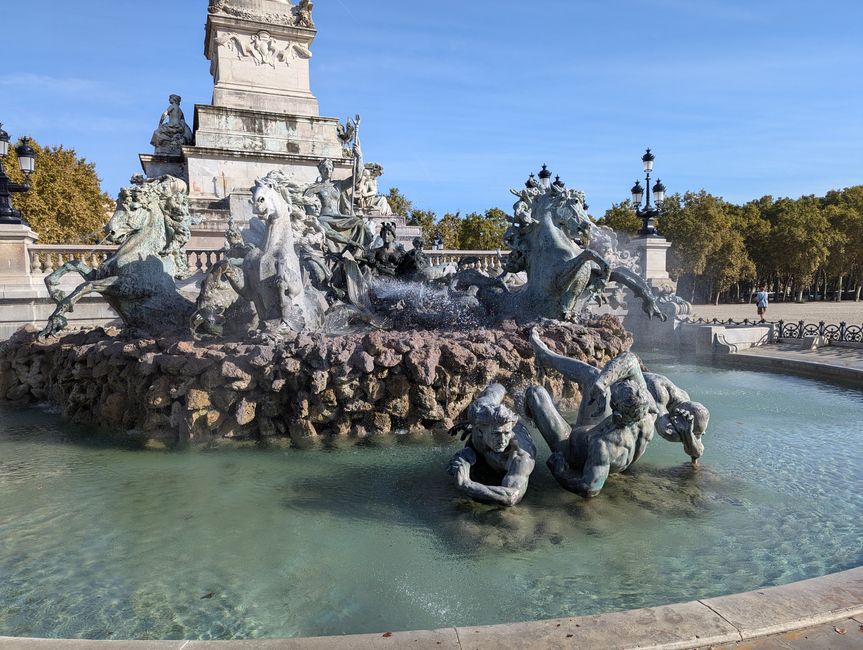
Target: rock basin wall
314	386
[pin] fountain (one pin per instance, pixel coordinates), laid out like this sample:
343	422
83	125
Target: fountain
339	373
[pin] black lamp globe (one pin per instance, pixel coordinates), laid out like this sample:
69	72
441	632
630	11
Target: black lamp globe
26	156
648	159
4	142
545	177
659	192
637	193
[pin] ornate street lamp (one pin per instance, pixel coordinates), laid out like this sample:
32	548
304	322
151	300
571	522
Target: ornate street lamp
27	162
545	177
649	212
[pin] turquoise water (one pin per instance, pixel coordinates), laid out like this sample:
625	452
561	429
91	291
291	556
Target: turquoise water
100	540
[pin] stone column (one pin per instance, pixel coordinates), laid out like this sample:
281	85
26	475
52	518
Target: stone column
15	240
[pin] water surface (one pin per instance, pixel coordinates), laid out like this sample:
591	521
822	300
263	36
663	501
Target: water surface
101	540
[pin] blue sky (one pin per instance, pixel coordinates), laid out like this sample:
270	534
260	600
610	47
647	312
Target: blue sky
461	100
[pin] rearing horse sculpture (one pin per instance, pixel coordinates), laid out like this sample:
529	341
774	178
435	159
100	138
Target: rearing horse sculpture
545	237
269	275
137	281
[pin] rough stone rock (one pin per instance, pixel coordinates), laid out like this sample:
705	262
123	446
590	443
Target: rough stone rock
303	388
239	378
197	399
422	365
246	410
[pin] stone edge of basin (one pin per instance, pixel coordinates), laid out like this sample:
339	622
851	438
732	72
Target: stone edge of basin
700	623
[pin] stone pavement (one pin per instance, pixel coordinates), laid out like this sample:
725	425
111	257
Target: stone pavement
811	312
838	635
829	361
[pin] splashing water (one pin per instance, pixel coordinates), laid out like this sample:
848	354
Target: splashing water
417	304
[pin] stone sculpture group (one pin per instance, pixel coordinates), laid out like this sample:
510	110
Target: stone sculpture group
621	407
310	262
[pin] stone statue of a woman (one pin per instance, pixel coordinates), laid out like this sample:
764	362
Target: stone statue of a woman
173	132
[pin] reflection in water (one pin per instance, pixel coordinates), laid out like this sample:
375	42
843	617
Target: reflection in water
101	539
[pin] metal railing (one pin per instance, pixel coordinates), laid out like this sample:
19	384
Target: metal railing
841	333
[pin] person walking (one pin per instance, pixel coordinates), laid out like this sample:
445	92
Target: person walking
761	301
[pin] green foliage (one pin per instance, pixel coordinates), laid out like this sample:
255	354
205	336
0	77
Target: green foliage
399	204
450	229
425	219
483	231
621	217
65	203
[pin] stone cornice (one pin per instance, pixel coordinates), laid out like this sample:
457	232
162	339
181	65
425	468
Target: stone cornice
207	108
223	154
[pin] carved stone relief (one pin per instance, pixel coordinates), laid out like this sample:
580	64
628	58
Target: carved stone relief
263	49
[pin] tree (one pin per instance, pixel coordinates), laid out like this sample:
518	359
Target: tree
400	204
425	219
693	223
65	204
803	237
483	231
844	211
450	229
621	217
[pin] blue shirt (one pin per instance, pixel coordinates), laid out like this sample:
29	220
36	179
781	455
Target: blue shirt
761	299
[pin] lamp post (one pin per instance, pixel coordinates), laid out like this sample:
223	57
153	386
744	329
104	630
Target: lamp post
649	212
27	162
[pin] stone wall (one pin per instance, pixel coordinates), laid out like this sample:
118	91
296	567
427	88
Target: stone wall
311	388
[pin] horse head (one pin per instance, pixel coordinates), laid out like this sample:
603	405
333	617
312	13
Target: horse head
268	203
567	211
137	222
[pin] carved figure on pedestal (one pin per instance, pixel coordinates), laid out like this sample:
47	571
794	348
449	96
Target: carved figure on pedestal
368	199
173	132
138	280
497	441
303	14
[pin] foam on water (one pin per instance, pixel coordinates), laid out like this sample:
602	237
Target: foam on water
100	540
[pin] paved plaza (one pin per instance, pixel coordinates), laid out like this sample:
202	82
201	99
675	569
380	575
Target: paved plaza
829	312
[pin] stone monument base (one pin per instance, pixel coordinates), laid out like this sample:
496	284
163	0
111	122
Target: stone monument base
313	388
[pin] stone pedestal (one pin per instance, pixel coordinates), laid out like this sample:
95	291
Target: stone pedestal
263	115
15	239
156	165
258	58
653	256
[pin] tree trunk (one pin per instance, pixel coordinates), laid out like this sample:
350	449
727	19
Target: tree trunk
824	290
839	289
857	293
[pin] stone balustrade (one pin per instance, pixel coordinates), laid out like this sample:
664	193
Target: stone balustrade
489	261
45	259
